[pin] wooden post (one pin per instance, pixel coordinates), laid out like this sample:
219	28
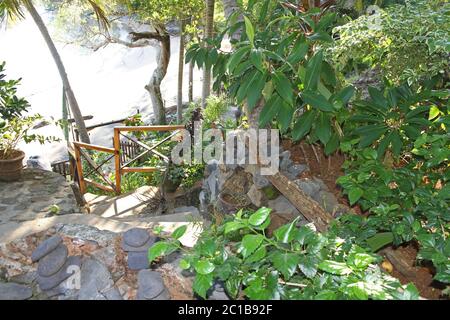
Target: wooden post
118	170
80	169
312	211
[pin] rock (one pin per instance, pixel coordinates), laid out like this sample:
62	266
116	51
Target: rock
46	247
283	206
308	186
217	292
95	280
256	196
113	294
86	233
297	169
144	247
72	264
39	162
138	260
260	181
151	286
136	237
285	161
328	201
14	291
53	262
25	278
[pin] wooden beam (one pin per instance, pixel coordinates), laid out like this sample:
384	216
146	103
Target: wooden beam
150	128
99	185
93	147
80	170
118	171
312	211
139	169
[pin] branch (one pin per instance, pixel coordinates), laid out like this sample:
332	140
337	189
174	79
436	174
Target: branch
136	36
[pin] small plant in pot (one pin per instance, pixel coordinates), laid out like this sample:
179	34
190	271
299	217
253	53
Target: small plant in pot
14	128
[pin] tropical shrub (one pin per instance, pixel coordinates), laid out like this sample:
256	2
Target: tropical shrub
295	263
278	63
407	42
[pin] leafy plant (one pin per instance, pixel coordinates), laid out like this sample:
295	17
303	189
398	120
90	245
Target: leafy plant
295	263
278	63
407	42
394	117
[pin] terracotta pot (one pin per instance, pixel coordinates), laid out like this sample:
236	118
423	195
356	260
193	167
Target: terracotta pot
11	169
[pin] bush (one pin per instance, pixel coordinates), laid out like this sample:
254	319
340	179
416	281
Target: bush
295	263
408	42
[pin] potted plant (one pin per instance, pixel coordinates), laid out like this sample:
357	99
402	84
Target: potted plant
14	128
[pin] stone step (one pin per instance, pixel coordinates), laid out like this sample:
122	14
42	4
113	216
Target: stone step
13	230
126	205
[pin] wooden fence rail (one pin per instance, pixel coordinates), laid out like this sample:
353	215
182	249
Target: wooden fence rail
124	154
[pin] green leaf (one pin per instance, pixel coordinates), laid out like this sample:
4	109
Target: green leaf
204	267
254	91
313	69
360	260
184	264
396	143
250	243
286	263
434	112
259	216
323	128
308	265
332	145
355	194
202	283
233	226
258	255
179	232
256	58
303	124
334	267
233	285
378	98
299	51
357	291
270	110
380	240
237	57
345	95
285	116
283	86
317	100
249	30
286	233
158	249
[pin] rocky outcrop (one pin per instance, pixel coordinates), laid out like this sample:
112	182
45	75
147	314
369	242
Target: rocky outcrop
68	262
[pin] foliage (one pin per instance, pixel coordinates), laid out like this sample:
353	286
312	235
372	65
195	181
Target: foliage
408	42
14	126
279	59
295	263
11	106
394	117
216	107
407	198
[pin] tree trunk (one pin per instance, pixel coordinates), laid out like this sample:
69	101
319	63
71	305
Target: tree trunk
76	113
230	7
180	73
191	82
154	86
209	29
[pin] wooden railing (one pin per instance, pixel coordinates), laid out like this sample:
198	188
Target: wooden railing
121	164
122	168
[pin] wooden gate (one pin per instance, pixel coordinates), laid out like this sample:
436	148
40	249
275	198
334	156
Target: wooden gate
121	164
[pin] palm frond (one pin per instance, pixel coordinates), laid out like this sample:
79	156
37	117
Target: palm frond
99	11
